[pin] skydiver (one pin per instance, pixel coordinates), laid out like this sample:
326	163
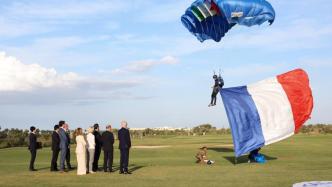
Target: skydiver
218	84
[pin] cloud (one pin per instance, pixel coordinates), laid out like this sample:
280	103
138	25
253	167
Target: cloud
61	51
168	11
30	18
299	34
12	28
319	63
32	83
143	66
67	9
16	76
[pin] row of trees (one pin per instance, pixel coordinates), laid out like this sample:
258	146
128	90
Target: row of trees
18	137
205	129
316	129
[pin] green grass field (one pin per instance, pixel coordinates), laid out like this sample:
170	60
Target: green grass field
300	158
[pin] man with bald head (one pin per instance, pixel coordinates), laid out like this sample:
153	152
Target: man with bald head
124	146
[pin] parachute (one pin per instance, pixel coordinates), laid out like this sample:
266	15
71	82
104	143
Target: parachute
212	19
268	111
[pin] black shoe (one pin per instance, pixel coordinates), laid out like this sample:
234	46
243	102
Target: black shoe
127	173
111	170
32	169
121	172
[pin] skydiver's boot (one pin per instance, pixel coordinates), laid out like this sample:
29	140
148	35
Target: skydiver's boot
215	101
211	103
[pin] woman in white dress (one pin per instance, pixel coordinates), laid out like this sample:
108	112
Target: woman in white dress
80	152
91	148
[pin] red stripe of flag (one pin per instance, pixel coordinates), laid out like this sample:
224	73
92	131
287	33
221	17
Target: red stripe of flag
296	85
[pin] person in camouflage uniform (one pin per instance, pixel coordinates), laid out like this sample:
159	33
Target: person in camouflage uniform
201	156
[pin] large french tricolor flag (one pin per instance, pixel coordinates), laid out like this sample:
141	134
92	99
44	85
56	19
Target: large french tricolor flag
268	111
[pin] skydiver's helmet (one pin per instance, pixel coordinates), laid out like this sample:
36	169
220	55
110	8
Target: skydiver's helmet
215	77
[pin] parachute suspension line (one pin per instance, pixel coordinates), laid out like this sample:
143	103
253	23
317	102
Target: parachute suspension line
213	24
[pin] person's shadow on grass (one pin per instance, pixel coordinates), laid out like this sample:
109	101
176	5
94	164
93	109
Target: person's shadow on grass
244	159
221	149
44	168
132	168
232	159
49	168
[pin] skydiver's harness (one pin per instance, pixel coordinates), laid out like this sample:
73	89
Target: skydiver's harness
218	84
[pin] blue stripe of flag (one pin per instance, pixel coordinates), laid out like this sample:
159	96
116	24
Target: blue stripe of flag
244	120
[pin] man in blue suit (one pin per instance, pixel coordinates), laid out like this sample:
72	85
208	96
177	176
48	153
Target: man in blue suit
63	145
124	146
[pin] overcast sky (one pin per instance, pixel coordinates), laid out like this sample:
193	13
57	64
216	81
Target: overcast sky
104	61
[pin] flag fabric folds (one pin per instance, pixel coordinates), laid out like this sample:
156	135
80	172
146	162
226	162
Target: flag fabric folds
268	111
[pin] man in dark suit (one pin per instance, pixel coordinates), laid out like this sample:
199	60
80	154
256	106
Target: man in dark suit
97	147
66	127
32	147
107	144
124	146
55	148
63	145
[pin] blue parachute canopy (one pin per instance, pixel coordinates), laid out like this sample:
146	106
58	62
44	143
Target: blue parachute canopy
211	19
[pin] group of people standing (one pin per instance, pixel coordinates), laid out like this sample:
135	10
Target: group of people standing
88	148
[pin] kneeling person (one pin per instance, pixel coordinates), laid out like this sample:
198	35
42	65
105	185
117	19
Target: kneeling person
202	158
